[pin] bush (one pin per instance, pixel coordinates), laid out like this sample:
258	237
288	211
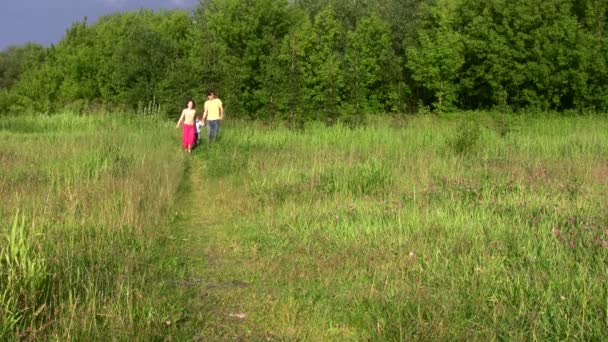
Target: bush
503	124
466	138
5	102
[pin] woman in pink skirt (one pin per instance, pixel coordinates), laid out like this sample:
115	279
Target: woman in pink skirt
188	129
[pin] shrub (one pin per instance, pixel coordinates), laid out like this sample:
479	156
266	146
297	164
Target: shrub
466	138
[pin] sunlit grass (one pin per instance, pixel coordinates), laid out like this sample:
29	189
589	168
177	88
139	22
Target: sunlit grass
473	225
427	230
86	199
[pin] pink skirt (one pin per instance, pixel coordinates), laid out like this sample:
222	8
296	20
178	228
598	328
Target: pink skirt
188	136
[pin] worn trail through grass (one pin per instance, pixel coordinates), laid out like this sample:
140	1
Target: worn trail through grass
224	302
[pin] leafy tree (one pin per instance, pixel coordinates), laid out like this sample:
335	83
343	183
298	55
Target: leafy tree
76	59
268	58
436	61
349	12
204	66
6	101
324	79
139	63
132	66
14	60
38	89
248	31
403	17
284	89
521	53
372	70
593	17
179	80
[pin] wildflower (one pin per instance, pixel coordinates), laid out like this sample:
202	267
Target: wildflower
606	231
571	244
555	232
412	254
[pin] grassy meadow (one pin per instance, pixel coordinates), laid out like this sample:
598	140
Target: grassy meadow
84	208
466	226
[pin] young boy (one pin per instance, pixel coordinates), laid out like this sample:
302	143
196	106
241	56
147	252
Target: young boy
199	128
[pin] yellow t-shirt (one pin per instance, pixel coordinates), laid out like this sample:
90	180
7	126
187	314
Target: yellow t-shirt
212	107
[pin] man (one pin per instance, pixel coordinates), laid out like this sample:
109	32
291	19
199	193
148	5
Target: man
214	114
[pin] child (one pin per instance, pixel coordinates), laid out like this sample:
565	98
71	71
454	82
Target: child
199	128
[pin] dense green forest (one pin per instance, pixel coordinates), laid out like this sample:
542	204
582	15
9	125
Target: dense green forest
329	60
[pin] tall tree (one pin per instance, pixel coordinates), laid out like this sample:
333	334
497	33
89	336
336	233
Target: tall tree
37	90
372	70
593	17
77	60
521	53
324	79
14	60
285	73
249	31
436	61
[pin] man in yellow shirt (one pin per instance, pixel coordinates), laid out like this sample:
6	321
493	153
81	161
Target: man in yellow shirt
214	114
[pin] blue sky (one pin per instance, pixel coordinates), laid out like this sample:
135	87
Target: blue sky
45	21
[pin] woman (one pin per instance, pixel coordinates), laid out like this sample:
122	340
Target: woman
188	129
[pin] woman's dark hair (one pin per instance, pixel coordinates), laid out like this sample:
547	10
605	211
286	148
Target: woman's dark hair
193	103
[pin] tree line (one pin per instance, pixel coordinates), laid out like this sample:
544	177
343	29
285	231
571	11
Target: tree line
323	59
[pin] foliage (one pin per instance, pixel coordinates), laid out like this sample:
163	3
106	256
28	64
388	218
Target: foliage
466	137
522	53
14	60
247	31
435	63
332	60
372	69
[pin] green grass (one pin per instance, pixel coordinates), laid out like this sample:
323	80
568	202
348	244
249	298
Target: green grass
467	226
438	229
85	202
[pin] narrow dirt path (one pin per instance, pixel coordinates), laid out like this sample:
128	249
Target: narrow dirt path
223	302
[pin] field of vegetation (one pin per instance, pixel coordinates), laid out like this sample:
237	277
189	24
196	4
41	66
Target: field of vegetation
83	213
463	226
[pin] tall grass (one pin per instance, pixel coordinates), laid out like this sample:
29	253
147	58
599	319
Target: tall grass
84	203
465	226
